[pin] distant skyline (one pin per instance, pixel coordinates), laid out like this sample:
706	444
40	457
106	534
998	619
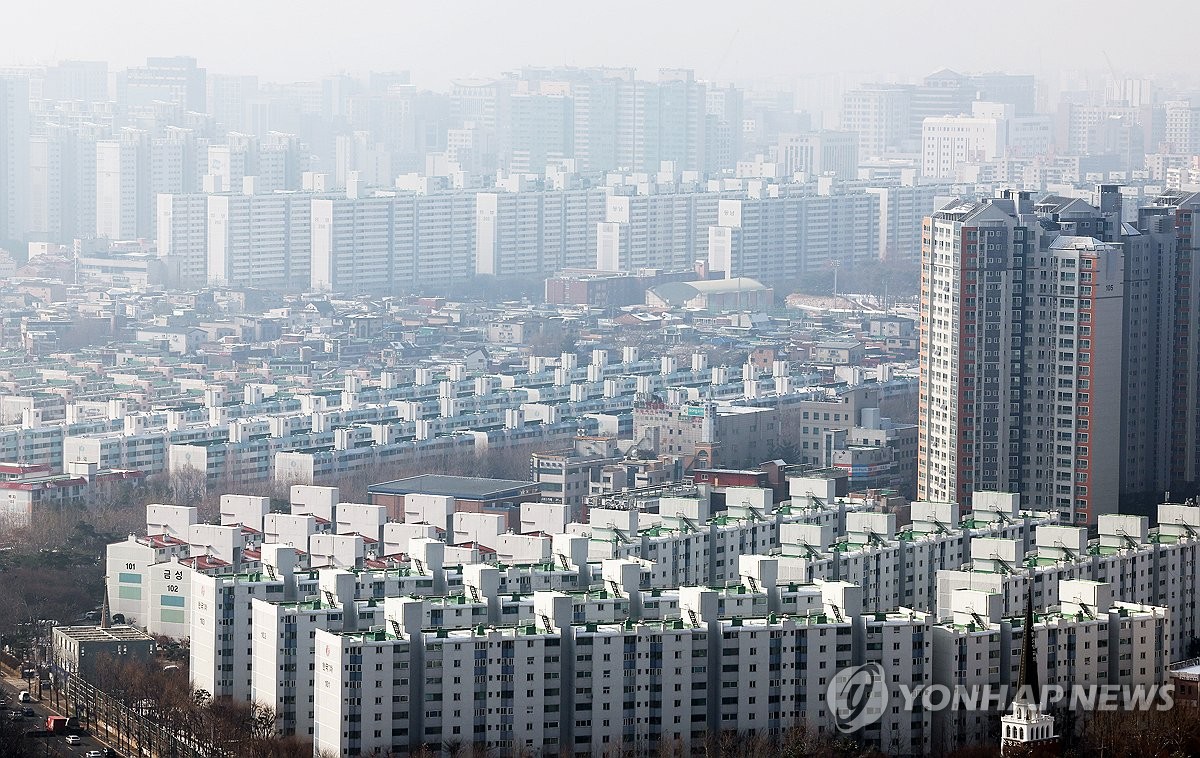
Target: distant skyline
740	42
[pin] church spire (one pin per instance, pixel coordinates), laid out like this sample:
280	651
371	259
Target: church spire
1028	681
105	614
1025	727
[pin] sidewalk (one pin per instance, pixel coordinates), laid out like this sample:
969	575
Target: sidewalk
13	680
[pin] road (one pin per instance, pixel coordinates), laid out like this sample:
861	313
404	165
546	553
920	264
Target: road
54	745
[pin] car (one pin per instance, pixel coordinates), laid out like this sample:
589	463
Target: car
24	696
74	739
94	754
28	712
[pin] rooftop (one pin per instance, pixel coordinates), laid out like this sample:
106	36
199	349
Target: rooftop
465	487
1189	669
678	293
99	634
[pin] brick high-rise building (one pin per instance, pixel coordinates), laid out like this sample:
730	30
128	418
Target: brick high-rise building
1042	354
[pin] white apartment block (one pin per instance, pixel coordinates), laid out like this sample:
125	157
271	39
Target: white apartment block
14	157
283	643
46	187
140	445
665	230
39	442
555	683
259	240
392	243
1182	127
948	142
1081	126
397	240
182	235
898	568
879	115
124	204
62	183
1088	638
535	233
169	581
902	210
1153	567
728	592
774	238
566	682
819	154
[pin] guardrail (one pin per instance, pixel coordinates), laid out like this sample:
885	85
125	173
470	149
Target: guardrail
128	731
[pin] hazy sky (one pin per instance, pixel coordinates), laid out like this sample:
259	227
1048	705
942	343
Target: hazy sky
738	40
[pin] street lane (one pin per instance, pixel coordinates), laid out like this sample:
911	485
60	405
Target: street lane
53	745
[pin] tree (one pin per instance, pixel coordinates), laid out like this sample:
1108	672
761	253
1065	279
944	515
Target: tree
12	739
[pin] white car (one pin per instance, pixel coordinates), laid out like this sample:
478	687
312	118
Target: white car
94	754
74	739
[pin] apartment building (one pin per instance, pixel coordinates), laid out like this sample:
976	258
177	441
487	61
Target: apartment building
1088	638
820	153
950	141
1026	341
777	238
123	199
667	230
1171	215
897	567
391	243
902	209
14	157
182	235
1150	565
257	240
879	115
578	683
637	576
537	233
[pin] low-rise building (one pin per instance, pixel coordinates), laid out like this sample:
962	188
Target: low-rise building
838	352
569	476
84	651
735	294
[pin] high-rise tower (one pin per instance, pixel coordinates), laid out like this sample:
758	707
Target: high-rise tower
1030	359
